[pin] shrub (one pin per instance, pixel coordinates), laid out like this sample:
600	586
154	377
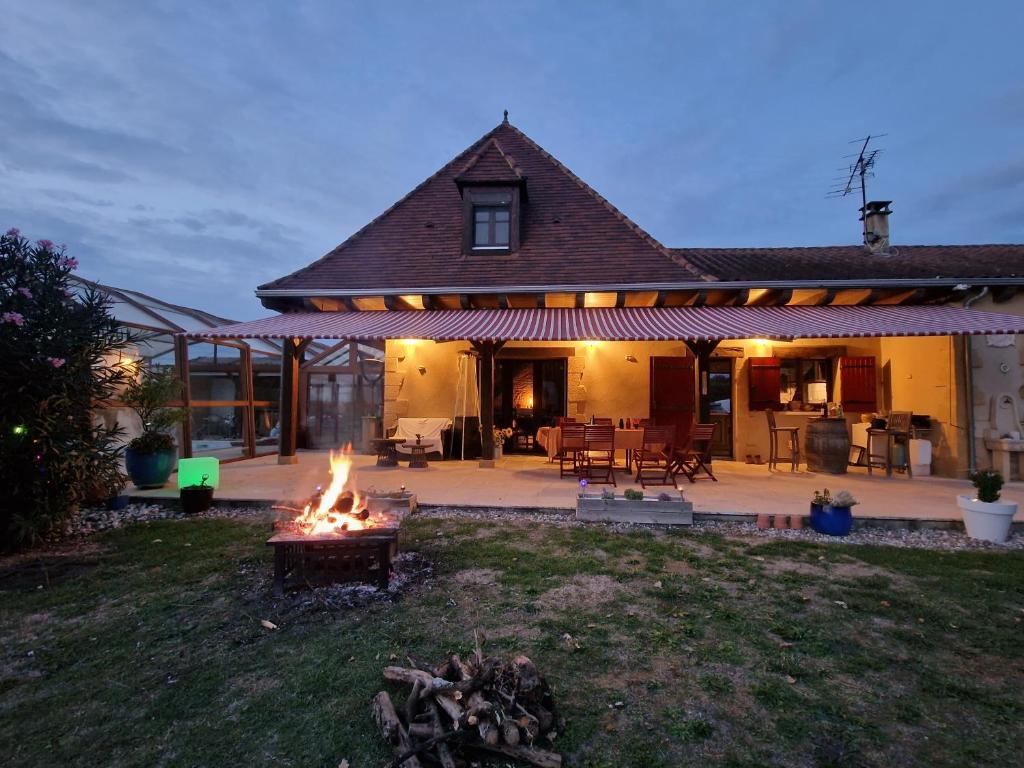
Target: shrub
988	482
633	494
148	395
60	352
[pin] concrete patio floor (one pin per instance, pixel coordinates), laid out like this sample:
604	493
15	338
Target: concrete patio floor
531	482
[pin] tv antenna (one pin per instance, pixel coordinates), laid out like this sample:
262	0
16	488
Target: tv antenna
859	170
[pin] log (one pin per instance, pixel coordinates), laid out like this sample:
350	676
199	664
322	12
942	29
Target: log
412	702
392	729
528	680
488	732
421	730
510	733
451	708
537	757
443	753
407	676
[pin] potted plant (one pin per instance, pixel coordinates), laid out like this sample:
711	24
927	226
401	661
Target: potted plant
985	517
149	458
830	514
196	498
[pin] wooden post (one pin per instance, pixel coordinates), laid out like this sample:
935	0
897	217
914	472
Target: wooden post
249	430
291	359
181	363
486	349
702	351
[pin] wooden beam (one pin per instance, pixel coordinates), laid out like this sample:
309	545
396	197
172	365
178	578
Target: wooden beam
702	350
700	299
487	352
465	301
502	301
291	361
620	299
181	363
827	298
248	387
871	298
741	297
1003	293
581	300
659	300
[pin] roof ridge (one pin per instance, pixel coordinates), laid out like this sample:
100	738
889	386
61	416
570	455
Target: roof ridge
479	154
632	225
387	211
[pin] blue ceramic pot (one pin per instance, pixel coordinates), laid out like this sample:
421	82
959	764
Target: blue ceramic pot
149	470
832	521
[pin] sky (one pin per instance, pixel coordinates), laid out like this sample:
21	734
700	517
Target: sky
193	150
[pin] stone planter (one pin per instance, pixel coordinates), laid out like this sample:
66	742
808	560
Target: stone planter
621	510
987	520
400	506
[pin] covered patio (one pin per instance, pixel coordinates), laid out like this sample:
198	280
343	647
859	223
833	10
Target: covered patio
529	482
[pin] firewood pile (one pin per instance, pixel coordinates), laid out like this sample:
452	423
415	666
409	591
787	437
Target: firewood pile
461	709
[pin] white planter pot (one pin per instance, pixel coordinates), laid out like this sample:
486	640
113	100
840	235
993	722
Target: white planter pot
987	520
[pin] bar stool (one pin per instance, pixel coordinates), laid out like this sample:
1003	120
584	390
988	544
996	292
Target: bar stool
897	431
792	434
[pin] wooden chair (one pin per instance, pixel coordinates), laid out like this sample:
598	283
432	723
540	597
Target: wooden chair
653	461
563	420
896	432
572	445
791	434
599	456
603	421
695	458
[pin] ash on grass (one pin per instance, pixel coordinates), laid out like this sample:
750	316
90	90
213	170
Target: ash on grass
408	571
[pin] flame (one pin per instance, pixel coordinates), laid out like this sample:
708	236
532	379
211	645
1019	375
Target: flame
324	518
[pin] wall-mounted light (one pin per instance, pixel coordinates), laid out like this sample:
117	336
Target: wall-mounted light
630	358
422	369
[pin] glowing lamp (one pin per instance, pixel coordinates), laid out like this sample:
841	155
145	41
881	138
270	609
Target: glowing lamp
20	429
191	471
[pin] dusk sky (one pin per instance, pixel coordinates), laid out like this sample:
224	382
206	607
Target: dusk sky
196	150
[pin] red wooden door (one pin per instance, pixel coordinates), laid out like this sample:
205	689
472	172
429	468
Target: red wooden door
673	394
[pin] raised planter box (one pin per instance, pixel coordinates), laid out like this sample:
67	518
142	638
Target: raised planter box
620	510
397	505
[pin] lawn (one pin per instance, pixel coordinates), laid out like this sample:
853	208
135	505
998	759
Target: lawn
144	647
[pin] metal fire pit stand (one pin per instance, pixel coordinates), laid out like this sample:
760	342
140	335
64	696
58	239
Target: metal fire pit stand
317	560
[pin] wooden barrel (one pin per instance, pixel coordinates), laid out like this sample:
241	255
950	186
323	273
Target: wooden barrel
827	446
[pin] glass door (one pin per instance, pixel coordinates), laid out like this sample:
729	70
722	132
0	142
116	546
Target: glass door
720	377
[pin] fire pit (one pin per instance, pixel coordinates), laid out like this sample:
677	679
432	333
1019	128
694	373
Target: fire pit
334	537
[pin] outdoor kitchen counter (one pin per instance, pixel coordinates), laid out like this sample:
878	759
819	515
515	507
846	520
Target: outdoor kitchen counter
625	440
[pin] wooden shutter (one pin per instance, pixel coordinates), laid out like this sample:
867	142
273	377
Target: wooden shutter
857	383
765	383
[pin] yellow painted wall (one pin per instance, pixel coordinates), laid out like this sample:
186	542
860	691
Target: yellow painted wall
922	376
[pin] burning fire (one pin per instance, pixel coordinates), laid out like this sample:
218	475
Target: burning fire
339	508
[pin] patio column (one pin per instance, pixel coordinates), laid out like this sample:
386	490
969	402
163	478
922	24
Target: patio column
486	350
702	350
291	360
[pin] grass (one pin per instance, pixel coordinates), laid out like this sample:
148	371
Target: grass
144	647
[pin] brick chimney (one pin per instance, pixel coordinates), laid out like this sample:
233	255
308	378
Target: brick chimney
875	216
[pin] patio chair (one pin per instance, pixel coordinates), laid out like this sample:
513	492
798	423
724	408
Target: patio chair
563	420
696	457
598	460
896	432
790	434
572	445
603	421
654	460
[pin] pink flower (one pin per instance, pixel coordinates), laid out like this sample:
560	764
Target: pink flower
46	245
56	362
25	292
13	232
69	262
13	317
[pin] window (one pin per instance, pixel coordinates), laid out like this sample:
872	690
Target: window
775	382
491	226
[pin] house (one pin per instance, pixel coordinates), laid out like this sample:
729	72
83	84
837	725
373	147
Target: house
505	274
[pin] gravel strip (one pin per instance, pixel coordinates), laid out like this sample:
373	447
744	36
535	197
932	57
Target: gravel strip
95	520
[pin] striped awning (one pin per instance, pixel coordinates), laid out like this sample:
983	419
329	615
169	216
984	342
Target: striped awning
626	324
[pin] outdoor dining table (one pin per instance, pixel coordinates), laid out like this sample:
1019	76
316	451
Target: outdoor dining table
625	440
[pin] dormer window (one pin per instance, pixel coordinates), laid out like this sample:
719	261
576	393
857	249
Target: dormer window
493	193
491	226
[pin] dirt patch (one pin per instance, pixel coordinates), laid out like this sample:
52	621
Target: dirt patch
47	568
679	568
582	592
477	577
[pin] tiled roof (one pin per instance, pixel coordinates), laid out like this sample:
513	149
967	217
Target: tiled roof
570	235
490	164
853	262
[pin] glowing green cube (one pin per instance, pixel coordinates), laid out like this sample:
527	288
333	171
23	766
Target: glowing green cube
191	471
